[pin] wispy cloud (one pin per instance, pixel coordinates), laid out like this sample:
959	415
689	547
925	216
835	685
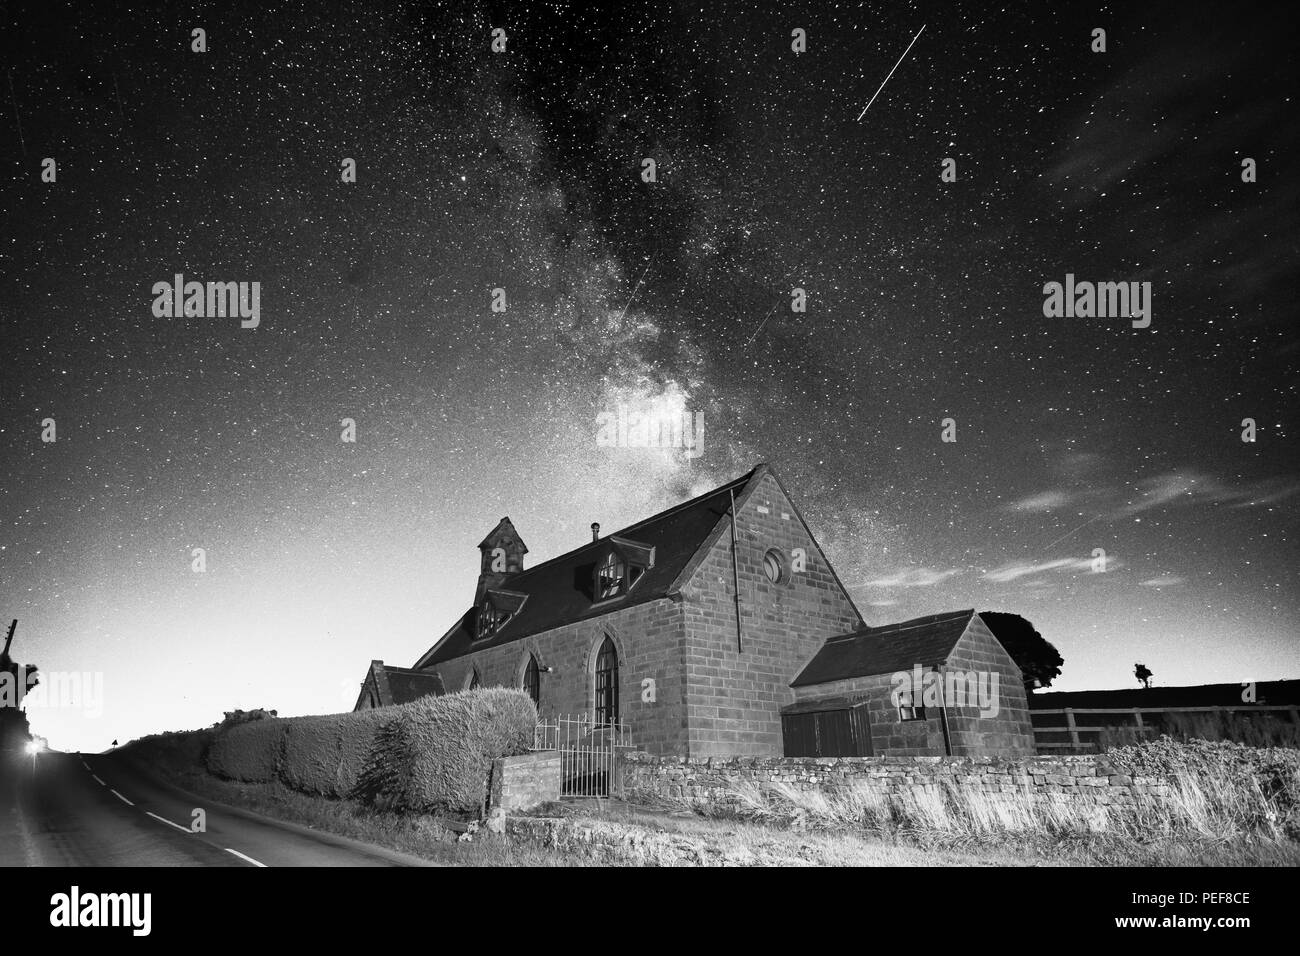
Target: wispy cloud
1175	487
1016	570
1268	492
913	578
1191	487
1044	501
1167	581
1172	489
1148	107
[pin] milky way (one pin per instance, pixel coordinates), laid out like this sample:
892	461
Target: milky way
523	170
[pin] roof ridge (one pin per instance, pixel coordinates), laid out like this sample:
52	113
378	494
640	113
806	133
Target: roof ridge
557	599
901	625
921	621
881	650
622	532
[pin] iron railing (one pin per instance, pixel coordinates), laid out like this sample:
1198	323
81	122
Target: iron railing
587	749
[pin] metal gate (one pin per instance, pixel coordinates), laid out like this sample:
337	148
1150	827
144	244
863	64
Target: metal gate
587	752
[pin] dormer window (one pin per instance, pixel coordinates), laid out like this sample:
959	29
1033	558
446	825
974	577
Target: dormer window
489	619
497	609
619	567
611	577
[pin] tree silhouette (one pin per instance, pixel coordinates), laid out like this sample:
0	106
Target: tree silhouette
1141	672
1039	661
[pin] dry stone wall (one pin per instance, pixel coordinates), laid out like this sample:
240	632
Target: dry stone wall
712	784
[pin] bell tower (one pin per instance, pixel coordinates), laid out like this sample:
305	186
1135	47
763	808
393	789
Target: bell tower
501	555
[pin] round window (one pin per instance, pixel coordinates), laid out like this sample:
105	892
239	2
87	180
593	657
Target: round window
774	565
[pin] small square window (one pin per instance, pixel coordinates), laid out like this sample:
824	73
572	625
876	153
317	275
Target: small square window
908	709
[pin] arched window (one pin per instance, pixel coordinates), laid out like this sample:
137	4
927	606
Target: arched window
606	684
611	577
533	680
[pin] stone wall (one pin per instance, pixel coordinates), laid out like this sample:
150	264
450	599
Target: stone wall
613	843
711	784
890	735
735	694
648	638
1007	732
525	781
709	698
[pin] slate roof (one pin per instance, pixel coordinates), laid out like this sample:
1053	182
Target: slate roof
886	650
401	685
560	590
406	685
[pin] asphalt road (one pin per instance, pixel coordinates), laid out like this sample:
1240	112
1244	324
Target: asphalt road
93	810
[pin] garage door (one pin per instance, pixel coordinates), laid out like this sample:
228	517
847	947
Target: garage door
838	731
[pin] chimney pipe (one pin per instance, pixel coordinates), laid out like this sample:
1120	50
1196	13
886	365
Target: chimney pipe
595	531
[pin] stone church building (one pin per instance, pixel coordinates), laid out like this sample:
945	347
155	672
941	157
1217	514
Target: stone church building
719	628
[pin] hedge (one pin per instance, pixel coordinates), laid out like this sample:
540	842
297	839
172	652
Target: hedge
436	753
357	746
182	751
310	760
326	755
250	752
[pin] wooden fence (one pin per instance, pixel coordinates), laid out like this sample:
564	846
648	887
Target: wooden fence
1050	726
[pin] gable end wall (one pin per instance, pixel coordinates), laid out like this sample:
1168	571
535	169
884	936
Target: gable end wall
1008	733
734	696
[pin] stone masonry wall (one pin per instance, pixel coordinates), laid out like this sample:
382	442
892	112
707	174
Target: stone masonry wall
890	735
735	695
711	784
1008	732
526	781
649	639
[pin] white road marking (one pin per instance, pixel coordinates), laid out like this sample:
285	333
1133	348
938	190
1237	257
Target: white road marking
248	858
120	797
98	781
166	821
86	765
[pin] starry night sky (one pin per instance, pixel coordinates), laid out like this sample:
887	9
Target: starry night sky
521	170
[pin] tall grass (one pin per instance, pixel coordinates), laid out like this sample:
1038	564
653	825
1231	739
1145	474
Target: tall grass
1214	792
1262	729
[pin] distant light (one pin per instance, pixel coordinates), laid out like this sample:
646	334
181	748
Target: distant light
34	747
